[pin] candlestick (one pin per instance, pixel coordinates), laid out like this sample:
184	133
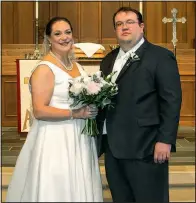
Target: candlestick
36	54
140	7
36	10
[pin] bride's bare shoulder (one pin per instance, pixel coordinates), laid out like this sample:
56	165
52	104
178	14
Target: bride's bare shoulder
43	68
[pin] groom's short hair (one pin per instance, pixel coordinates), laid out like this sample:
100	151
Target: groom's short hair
128	9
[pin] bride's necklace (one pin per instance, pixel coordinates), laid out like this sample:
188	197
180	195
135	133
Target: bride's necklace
66	67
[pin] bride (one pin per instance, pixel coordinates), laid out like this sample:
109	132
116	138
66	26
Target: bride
57	163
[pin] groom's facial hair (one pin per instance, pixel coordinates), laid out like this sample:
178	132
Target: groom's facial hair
124	41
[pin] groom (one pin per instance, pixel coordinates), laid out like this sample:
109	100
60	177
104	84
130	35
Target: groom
141	130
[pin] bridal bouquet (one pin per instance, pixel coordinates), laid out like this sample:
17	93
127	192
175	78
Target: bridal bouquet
92	89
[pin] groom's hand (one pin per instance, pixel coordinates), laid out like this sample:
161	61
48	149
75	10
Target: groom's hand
161	152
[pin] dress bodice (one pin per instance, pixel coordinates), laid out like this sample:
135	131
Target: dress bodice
60	97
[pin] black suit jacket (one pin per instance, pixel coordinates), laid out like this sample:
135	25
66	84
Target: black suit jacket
147	106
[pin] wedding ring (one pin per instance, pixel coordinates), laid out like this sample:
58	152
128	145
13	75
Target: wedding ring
161	162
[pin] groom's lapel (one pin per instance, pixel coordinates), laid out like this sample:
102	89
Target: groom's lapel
133	64
112	61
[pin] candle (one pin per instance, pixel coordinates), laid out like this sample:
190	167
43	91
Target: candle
36	10
140	7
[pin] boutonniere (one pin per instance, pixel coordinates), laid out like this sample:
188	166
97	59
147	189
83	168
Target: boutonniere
134	57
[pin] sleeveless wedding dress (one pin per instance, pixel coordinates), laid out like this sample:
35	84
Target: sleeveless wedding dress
57	163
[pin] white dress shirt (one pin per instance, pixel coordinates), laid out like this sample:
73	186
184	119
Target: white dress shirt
120	61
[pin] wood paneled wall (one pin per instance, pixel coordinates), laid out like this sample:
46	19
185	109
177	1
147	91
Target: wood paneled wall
187	116
92	21
9	100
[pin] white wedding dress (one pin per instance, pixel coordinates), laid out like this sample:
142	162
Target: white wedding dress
57	163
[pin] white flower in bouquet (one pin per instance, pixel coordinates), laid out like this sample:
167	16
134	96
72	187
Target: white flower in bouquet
76	88
98	74
86	79
103	82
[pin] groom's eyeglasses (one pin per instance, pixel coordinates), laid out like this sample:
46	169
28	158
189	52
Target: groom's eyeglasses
128	23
